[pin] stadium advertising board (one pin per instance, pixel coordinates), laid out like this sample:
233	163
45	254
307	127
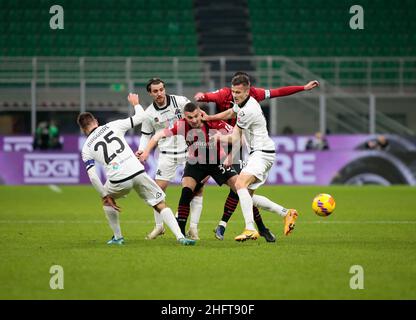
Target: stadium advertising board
347	161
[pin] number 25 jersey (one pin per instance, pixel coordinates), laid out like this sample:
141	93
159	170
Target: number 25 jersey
106	145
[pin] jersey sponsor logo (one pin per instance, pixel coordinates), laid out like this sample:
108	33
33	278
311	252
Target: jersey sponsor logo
159	172
51	168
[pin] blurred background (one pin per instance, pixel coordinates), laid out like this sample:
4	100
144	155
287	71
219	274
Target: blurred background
109	48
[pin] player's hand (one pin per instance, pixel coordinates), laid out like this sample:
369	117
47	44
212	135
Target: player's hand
199	96
138	154
133	99
228	162
143	156
311	85
205	116
110	202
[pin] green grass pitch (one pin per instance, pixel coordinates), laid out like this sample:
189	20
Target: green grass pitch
373	227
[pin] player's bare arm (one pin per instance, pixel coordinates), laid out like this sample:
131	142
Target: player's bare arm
143	155
225	115
229	138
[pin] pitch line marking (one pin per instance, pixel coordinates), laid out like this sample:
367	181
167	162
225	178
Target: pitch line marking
55	188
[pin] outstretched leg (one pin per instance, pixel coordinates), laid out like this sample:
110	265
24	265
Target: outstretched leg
289	215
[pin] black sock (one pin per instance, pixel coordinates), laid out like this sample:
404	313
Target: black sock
184	208
258	219
230	205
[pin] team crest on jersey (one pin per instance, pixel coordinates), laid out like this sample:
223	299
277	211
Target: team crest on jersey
158	195
156	119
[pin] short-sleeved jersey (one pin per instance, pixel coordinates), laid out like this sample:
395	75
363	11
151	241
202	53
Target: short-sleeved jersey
162	118
223	97
251	120
200	148
106	145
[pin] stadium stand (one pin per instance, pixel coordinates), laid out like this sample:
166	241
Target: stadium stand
312	28
109	47
99	28
320	28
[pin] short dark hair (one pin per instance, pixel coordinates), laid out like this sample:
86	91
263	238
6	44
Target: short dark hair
85	119
204	107
190	107
153	81
240	79
241	73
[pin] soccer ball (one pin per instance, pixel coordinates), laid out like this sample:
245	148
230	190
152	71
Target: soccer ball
323	204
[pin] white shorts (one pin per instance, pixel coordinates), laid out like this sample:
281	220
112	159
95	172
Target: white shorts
168	164
259	164
146	188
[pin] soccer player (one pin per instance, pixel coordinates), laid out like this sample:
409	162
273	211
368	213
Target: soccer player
223	98
252	123
106	145
204	159
162	114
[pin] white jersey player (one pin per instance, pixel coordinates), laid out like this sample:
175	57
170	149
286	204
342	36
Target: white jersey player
107	146
261	149
162	114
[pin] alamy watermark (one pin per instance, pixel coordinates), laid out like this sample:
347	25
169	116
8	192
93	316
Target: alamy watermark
357	20
57	280
57	20
357	280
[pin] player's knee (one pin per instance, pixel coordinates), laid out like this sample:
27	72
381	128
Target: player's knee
186	196
160	206
240	184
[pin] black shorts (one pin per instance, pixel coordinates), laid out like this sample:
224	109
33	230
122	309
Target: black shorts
238	163
239	166
200	171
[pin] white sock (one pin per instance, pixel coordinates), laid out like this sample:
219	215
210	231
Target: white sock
246	203
113	221
158	219
170	220
268	205
196	209
223	223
